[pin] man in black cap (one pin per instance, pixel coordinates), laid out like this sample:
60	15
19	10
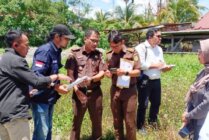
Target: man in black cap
47	61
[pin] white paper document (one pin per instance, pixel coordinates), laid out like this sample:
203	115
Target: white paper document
76	82
124	81
171	65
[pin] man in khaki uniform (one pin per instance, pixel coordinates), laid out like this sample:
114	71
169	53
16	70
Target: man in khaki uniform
123	100
87	61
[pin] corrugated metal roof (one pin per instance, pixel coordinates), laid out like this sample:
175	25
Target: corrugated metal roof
203	23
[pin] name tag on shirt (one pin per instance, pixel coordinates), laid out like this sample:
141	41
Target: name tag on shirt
54	61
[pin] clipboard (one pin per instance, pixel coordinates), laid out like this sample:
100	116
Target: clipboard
124	80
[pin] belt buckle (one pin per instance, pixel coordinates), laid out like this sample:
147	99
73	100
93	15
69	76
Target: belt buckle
88	91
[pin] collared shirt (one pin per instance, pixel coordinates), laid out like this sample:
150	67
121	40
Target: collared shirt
149	55
85	64
47	61
113	61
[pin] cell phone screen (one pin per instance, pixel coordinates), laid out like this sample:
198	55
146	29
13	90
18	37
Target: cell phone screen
113	69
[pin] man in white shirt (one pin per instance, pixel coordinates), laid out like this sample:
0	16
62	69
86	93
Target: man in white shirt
152	62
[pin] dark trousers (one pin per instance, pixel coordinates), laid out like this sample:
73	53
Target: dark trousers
195	134
123	106
152	93
94	106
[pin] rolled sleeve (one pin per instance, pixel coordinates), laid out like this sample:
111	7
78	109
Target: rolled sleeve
136	57
102	65
70	63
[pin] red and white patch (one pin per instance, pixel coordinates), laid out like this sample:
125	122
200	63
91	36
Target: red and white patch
39	64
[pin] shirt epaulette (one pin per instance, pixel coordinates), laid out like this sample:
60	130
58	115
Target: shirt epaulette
130	50
100	50
109	51
75	49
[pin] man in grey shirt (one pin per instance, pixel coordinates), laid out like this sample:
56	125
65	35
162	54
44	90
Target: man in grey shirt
15	78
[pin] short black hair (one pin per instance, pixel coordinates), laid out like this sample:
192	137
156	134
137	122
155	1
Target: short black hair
12	36
89	32
151	32
115	36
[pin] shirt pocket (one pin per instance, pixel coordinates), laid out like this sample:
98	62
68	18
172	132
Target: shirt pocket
81	65
128	57
95	65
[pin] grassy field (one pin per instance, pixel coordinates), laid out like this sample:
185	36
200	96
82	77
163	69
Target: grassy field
174	87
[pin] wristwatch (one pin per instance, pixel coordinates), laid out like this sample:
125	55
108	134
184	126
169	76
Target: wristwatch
127	73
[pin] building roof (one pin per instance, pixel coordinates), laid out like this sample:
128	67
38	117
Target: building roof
203	23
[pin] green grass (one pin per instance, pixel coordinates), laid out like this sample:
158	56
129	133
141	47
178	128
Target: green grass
174	87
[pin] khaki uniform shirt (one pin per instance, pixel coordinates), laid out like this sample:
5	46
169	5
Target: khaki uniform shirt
85	64
113	61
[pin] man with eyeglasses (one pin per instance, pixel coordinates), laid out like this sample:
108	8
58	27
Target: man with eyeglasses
123	99
152	62
47	61
87	61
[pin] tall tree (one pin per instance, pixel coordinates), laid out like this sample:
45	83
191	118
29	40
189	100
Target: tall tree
179	11
126	15
36	17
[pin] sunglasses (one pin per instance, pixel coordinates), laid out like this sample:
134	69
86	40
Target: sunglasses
159	36
94	40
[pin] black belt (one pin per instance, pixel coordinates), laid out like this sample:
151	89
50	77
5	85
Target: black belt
154	79
88	90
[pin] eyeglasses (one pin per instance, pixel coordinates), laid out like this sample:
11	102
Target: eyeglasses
94	40
159	36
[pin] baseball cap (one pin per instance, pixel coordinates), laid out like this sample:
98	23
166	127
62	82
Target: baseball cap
63	30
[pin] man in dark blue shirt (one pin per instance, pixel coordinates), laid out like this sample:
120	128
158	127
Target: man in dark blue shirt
47	61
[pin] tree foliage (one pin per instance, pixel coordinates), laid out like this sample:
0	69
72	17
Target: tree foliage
38	17
35	17
179	11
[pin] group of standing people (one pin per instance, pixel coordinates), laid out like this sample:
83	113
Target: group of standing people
43	80
17	79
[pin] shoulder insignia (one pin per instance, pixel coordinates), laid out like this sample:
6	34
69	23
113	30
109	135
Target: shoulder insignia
109	51
70	55
130	49
100	50
75	48
136	58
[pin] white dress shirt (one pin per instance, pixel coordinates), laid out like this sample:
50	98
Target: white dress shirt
153	55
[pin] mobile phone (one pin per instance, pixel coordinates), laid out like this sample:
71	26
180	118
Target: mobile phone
113	69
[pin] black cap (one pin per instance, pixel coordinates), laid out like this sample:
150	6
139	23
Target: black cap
63	30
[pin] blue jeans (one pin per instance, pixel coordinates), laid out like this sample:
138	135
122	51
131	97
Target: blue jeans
42	117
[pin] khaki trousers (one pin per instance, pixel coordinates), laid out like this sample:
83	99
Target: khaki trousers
17	129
